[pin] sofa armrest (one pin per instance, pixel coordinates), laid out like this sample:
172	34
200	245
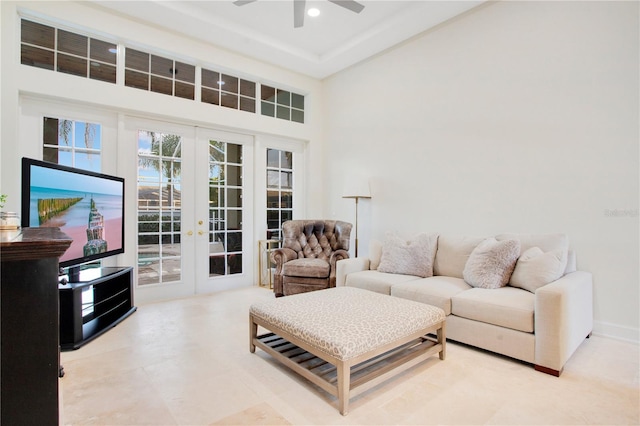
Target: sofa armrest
347	266
563	319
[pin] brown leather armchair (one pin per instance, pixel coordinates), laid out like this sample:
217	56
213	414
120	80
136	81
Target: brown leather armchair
307	259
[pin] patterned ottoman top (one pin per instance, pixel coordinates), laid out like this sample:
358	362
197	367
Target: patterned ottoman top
345	322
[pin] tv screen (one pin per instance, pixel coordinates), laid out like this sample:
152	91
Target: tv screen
87	206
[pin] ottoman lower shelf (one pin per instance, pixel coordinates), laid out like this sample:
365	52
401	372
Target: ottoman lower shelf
346	378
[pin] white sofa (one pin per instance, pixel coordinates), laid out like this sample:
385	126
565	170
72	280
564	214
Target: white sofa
543	325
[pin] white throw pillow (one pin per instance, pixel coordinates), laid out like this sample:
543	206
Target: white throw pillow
536	268
491	263
413	257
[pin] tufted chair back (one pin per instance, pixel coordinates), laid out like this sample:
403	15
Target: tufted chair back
316	239
310	249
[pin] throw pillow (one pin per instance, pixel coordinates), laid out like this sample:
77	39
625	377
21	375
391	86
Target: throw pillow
536	268
491	263
414	257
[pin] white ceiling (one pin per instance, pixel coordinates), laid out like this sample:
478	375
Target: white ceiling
264	29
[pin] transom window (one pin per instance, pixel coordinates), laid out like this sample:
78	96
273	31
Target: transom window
228	91
281	104
51	48
158	74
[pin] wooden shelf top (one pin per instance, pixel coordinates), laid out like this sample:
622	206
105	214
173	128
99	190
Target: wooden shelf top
32	244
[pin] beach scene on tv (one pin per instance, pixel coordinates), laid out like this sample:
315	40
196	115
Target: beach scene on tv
86	208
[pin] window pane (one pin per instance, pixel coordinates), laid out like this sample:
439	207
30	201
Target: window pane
234	197
185	72
273	156
286	200
38	34
297	101
210	96
286	159
284	98
268	109
229	100
136	79
137	60
103	51
230	83
267	93
72	65
36	57
273	179
285	180
102	72
72	43
234	175
234	219
161	85
210	78
248	88
247	104
234	153
283	112
184	90
297	116
161	66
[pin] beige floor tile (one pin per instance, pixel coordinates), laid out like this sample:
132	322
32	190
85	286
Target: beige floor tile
187	362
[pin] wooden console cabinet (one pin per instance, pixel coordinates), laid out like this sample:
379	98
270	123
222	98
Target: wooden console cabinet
29	325
94	305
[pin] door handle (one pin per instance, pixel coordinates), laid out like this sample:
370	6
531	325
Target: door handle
200	222
189	233
200	232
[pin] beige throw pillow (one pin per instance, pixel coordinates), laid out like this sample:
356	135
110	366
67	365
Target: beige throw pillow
491	263
536	268
413	257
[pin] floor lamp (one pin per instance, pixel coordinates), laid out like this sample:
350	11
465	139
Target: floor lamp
357	189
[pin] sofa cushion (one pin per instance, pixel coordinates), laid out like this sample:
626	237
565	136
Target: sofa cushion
536	268
307	267
375	253
505	307
436	291
379	282
412	257
452	254
546	243
491	263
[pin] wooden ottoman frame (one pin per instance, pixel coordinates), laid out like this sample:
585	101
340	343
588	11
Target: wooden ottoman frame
328	359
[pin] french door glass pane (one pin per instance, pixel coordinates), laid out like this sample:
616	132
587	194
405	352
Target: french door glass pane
225	208
159	207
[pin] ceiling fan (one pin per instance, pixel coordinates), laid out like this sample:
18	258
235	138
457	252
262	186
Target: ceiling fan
299	8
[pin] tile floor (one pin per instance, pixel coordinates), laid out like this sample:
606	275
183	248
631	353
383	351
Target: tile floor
187	362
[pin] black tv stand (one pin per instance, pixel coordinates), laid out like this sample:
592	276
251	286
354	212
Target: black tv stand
92	303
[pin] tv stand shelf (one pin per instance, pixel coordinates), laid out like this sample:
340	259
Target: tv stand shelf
99	301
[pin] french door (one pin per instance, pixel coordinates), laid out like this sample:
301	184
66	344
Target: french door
192	195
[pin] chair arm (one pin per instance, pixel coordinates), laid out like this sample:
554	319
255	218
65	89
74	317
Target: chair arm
347	266
280	257
335	257
563	318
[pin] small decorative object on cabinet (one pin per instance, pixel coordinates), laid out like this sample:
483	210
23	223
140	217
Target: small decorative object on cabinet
29	325
100	301
265	265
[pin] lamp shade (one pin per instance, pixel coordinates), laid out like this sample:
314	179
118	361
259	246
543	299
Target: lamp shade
356	188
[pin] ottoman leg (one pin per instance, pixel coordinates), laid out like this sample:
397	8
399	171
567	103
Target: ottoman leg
442	339
253	333
344	383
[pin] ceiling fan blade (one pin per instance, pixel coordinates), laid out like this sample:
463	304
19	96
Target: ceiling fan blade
352	5
242	2
298	13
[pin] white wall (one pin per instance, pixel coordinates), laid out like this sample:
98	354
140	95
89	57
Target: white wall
516	117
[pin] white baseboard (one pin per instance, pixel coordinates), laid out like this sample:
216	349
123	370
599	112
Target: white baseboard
615	331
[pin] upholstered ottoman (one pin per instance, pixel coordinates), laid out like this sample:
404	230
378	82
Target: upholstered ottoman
345	338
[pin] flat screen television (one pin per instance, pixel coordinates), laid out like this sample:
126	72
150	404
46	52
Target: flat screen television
87	206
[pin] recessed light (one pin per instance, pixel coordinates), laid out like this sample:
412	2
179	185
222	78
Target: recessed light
313	12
